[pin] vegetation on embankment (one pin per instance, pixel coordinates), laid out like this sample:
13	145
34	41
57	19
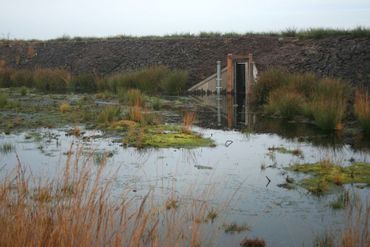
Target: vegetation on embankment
323	51
151	80
324	175
305	33
319	33
325	101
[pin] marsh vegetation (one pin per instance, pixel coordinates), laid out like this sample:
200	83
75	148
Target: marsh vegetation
139	153
326	102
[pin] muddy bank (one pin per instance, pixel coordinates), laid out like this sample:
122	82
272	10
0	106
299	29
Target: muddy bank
343	57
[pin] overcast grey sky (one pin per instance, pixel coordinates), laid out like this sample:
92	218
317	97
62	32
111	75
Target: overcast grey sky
45	19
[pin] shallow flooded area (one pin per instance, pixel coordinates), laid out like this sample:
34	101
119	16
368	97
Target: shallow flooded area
245	171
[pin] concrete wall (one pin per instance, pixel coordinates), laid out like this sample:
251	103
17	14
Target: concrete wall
209	84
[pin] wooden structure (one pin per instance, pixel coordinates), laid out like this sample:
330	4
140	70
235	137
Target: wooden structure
237	77
240	74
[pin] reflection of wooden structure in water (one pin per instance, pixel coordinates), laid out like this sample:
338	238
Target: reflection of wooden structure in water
239	114
237	77
227	113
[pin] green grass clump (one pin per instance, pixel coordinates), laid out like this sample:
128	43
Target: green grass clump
325	175
269	80
156	103
147	80
235	228
3	100
5	77
362	110
83	83
341	201
132	97
109	114
328	105
52	80
285	103
22	77
280	79
174	82
6	148
152	80
303	83
23	90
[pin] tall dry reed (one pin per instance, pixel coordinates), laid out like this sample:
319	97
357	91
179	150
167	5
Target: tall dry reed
188	120
362	110
77	209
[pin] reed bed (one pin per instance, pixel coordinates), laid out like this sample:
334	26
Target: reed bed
79	208
290	95
151	80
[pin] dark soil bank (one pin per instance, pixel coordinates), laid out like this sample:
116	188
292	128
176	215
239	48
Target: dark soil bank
342	57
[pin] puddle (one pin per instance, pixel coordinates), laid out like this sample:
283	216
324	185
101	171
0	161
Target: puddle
233	169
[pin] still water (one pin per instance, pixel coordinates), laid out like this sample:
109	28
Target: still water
232	169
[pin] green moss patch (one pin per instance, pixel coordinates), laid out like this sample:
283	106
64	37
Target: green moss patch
165	136
326	175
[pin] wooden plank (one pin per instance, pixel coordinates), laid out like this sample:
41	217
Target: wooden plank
230	110
230	74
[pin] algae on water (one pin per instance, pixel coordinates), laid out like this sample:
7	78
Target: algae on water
325	175
165	136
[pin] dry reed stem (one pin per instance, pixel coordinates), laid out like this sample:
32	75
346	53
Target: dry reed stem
76	209
188	120
356	232
362	109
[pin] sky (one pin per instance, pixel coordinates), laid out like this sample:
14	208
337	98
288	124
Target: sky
48	19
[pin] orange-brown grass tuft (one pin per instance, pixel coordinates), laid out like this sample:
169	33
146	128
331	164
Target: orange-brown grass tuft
64	107
188	120
356	225
362	110
135	114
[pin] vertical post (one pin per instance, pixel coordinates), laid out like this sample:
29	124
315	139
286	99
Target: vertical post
218	79
230	73
218	88
230	110
250	76
246	81
218	111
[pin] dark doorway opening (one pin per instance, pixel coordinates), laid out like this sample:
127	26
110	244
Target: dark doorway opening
239	94
240	78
